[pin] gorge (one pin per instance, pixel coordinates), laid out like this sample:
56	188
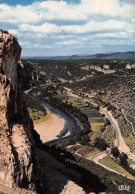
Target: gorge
25	163
20	160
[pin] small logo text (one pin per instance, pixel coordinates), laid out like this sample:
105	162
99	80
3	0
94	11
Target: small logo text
124	188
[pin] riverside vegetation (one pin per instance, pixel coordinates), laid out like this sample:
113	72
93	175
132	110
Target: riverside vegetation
35	109
89	76
84	166
25	161
82	136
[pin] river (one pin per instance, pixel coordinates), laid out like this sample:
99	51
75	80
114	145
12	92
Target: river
70	122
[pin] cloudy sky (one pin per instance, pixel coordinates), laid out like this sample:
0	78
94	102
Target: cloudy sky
68	27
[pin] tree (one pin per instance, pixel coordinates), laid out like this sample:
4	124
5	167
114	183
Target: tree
100	143
123	159
102	129
115	152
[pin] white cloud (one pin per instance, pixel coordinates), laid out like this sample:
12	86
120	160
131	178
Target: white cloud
91	23
92	26
94	42
104	7
15	32
40	11
60	10
112	35
25	44
17	14
63	36
128	11
44	28
69	42
41	46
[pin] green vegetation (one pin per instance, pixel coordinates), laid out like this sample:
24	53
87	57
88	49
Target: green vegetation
130	141
63	132
110	163
73	148
122	159
68	107
74	101
95	119
100	143
88	168
115	152
93	153
87	151
115	91
62	144
106	132
36	111
126	132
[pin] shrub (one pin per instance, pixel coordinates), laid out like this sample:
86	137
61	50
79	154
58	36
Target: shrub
115	152
100	143
123	160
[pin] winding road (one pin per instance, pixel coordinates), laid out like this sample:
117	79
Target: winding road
114	126
104	153
120	143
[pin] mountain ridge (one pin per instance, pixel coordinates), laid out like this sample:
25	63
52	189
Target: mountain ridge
129	55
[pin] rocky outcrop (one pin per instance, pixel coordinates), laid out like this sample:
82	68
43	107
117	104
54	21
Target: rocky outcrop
22	164
34	75
17	152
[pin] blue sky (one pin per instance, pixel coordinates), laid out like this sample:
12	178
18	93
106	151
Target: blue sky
68	27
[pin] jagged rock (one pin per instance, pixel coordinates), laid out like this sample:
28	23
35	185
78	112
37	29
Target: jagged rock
21	163
17	152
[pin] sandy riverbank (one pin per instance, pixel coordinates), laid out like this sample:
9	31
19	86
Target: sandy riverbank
50	128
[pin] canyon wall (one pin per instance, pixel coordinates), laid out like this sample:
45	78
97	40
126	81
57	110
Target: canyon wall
17	151
22	164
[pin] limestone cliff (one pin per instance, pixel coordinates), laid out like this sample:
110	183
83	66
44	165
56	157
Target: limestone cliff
17	153
19	164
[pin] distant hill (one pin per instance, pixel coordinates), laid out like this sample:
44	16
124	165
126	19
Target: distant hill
117	55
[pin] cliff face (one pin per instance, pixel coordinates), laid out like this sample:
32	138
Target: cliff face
21	163
17	152
10	85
